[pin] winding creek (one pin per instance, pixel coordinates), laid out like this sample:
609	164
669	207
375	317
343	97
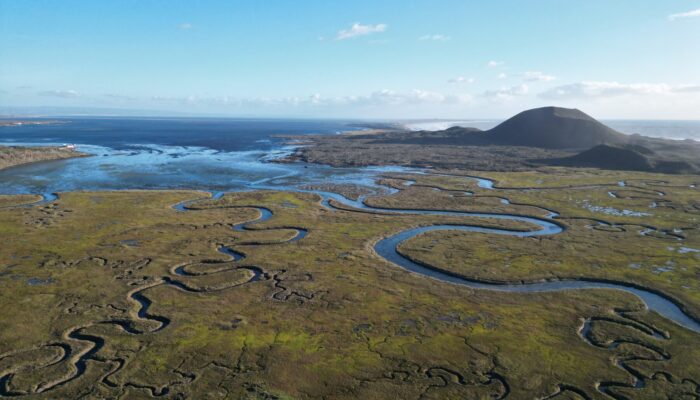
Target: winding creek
387	248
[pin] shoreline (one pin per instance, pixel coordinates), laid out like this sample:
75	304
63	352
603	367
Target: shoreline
42	154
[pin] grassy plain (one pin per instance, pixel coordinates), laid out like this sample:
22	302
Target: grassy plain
328	318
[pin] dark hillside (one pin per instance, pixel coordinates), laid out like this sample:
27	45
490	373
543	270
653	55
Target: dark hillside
629	158
553	128
547	127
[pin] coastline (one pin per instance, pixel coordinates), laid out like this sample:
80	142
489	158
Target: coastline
15	156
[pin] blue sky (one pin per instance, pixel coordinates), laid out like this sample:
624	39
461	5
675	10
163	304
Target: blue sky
364	59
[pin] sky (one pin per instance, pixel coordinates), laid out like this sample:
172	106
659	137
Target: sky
407	59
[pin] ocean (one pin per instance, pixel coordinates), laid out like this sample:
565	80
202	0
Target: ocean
129	133
173	153
208	154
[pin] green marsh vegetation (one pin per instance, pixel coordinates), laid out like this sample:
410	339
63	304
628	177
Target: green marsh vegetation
328	317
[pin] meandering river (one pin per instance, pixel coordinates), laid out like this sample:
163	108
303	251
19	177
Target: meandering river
388	249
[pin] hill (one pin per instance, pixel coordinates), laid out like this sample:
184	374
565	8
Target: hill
629	158
547	128
553	128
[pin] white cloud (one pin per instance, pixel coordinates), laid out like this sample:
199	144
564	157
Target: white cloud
495	64
60	93
537	76
358	29
185	26
506	93
436	37
461	79
591	89
689	14
502	75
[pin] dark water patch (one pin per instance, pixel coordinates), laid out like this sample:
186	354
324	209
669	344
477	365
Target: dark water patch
235	255
143	313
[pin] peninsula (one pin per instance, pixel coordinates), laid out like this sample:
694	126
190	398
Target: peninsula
11	156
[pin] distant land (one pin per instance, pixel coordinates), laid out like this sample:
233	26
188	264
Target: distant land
534	138
666	129
548	127
21	122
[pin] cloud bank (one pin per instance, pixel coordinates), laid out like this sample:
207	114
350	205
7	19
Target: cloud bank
592	89
384	97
